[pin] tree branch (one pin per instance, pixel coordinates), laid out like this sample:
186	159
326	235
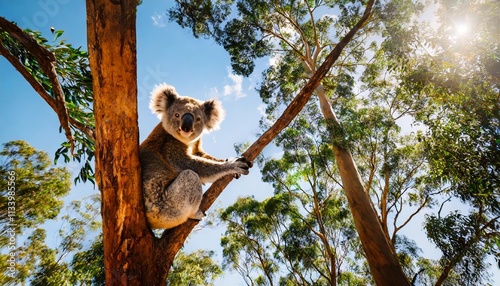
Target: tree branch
47	62
41	91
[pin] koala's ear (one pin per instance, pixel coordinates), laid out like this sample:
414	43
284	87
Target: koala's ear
162	97
214	113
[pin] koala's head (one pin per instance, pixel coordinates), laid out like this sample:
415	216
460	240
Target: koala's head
184	117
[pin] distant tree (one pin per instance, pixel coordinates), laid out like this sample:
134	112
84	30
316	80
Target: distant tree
446	77
39	190
464	137
196	268
34	180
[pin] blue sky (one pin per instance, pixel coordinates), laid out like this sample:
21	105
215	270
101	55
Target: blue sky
165	53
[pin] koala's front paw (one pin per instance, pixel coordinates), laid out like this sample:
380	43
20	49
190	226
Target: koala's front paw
243	164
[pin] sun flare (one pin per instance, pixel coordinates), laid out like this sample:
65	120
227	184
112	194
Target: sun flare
462	29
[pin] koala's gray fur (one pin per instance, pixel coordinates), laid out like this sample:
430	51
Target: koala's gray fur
174	166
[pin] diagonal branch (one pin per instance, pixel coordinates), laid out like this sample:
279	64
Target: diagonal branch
41	91
47	62
173	239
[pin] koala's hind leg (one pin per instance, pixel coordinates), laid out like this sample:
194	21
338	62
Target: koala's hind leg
186	190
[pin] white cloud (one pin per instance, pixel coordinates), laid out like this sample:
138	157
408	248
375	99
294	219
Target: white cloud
262	110
329	17
213	92
275	59
158	20
236	87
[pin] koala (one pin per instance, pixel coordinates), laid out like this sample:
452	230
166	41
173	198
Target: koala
174	165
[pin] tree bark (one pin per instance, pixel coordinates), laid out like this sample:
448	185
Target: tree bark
130	250
383	262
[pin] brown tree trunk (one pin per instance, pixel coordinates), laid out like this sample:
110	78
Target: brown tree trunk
384	265
129	245
380	254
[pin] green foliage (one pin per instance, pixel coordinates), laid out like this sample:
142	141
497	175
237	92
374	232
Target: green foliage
39	264
280	82
304	234
88	264
72	68
259	28
196	268
463	241
34	180
472	166
189	13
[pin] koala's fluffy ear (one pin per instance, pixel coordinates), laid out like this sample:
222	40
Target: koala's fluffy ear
161	97
215	114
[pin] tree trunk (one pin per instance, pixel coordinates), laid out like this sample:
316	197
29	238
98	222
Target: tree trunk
129	245
383	262
384	265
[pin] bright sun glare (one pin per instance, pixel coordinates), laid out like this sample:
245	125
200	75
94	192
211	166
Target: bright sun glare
462	29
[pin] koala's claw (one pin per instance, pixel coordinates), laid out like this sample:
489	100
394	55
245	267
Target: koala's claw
244	164
243	159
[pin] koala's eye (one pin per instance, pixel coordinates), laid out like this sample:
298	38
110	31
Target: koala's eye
177	115
198	119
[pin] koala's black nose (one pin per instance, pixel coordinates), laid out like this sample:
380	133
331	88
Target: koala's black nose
187	122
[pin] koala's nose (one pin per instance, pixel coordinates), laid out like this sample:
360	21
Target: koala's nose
187	122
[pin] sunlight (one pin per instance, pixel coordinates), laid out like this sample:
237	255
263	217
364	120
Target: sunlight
462	29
